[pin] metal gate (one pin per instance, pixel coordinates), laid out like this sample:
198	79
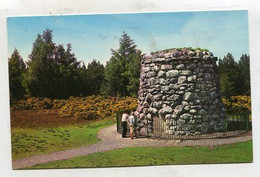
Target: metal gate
159	127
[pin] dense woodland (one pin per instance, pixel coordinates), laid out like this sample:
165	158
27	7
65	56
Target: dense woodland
53	71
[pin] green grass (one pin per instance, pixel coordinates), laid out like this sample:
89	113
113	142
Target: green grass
27	142
235	153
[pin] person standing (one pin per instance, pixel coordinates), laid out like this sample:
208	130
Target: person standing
124	124
132	122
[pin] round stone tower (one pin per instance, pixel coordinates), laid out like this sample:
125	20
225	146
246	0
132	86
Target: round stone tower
179	89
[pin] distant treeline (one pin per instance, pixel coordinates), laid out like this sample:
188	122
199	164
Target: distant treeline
53	71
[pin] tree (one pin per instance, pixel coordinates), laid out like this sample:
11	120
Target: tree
244	70
133	73
229	76
53	71
122	71
40	80
113	80
95	77
17	69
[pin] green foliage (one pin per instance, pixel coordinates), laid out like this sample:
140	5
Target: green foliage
234	76
136	156
39	79
244	70
53	72
17	68
123	70
133	74
94	76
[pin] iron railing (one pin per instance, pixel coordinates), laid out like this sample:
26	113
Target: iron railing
236	124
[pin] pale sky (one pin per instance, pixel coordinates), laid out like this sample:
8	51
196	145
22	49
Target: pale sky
93	36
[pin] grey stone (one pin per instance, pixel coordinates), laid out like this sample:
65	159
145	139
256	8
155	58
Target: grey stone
145	110
165	110
186	73
162	81
161	74
166	67
182	79
165	88
159	59
152	74
173	97
182	88
202	112
153	110
187	108
168	55
193	111
213	95
185	103
151	81
157	97
192	78
142	115
188	96
167	116
149	116
148	97
157	104
180	92
181	66
178	109
174	116
174	86
156	68
172	73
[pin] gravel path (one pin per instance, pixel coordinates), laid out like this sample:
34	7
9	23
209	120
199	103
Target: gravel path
112	140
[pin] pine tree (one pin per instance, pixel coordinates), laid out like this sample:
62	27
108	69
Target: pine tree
133	73
95	77
229	76
244	70
40	80
119	80
17	69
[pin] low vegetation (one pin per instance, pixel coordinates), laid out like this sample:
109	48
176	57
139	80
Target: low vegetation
93	107
44	131
180	49
238	104
235	153
89	108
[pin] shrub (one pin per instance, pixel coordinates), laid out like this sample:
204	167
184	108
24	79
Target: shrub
94	107
238	104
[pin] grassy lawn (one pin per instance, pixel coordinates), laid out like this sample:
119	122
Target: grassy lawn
28	141
235	153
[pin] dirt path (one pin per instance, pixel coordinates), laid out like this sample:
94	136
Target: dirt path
111	140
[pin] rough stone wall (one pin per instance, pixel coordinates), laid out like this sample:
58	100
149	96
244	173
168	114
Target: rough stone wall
181	88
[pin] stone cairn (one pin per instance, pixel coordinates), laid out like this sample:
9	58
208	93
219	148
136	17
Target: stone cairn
181	88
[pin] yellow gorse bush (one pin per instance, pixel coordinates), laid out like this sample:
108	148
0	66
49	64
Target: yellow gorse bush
32	103
93	107
238	104
90	107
